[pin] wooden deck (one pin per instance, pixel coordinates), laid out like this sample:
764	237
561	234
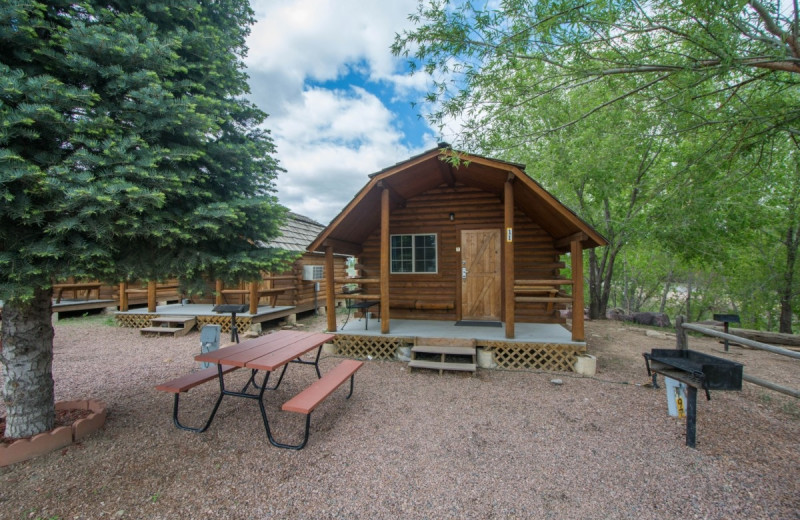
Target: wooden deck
525	332
77	304
140	318
540	346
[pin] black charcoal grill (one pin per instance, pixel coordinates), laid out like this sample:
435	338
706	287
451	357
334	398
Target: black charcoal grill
696	370
233	309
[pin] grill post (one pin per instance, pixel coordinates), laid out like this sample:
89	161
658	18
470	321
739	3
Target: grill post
691	415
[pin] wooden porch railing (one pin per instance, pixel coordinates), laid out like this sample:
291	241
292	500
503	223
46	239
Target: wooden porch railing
254	292
152	291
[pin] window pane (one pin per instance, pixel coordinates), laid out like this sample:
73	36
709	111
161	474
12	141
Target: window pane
402	254
413	253
425	253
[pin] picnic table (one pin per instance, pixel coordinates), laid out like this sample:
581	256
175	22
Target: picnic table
266	354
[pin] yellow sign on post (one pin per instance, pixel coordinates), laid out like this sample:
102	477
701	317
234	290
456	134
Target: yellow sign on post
509	235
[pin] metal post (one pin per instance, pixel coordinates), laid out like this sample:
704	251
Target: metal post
691	415
725	329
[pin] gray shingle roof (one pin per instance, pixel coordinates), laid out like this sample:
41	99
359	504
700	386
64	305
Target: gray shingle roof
297	233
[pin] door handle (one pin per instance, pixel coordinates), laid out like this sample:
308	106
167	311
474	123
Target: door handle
464	273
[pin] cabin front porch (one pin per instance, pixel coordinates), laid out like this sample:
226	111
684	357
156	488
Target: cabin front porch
205	315
539	346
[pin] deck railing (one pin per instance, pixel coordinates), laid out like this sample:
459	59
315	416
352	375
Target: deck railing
683	343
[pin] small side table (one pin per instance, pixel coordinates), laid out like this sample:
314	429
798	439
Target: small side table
364	306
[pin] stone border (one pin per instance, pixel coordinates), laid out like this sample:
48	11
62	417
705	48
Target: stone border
57	438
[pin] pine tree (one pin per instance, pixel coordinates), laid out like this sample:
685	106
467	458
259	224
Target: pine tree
127	151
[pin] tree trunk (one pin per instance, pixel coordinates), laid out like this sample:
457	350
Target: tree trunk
792	243
689	297
601	271
665	293
596	310
27	360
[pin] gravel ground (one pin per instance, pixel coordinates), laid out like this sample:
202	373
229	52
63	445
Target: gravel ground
501	444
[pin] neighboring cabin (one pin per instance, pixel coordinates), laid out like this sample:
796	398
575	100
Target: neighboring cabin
302	290
300	294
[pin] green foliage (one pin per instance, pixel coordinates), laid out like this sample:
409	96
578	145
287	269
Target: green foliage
720	63
127	150
672	127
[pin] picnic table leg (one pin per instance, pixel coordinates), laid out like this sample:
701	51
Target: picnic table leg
304	362
263	385
213	411
307	428
177	421
280	444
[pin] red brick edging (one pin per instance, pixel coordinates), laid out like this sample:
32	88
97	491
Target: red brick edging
60	437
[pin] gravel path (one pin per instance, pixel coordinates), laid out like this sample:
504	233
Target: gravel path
408	445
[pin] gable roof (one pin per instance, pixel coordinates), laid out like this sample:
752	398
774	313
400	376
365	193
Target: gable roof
427	171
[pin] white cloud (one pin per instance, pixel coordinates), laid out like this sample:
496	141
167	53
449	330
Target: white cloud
296	40
329	144
329	140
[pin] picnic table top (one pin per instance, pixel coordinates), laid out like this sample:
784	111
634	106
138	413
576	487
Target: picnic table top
267	352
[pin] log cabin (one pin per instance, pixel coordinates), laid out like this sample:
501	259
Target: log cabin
461	238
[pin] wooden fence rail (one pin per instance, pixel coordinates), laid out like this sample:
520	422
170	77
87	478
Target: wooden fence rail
682	327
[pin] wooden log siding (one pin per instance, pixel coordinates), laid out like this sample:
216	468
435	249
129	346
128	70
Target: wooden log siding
535	254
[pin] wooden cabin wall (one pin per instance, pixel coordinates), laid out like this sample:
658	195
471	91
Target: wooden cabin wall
301	293
438	294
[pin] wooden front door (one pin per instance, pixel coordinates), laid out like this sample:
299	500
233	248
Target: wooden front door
481	279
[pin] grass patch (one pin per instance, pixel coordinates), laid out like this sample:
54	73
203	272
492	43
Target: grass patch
86	318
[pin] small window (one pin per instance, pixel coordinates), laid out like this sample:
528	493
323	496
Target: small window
414	253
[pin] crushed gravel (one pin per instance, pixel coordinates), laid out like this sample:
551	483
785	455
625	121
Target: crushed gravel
501	444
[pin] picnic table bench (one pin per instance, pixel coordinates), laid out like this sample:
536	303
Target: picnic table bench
306	401
59	289
266	353
185	383
541	291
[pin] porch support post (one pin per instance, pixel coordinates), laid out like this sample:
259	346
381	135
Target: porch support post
508	255
576	257
123	296
253	297
151	296
330	290
385	261
218	291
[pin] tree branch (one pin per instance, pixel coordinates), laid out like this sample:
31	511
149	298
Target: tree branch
772	26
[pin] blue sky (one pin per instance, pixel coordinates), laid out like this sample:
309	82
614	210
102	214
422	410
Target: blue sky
339	102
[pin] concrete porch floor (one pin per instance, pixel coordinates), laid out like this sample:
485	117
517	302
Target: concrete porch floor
196	309
524	332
